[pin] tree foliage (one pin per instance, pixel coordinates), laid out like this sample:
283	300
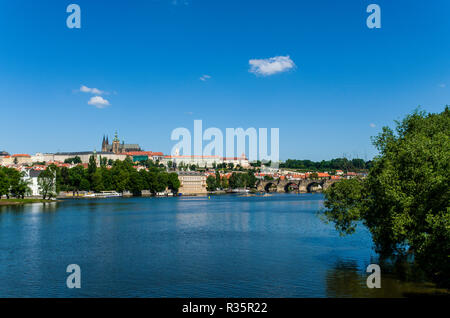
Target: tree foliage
242	180
120	176
12	183
404	201
47	182
333	164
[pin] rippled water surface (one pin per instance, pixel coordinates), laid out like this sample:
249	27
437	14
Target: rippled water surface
225	246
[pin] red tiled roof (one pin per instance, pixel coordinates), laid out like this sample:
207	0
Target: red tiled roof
144	153
21	155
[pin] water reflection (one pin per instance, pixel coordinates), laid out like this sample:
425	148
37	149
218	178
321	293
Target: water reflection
398	279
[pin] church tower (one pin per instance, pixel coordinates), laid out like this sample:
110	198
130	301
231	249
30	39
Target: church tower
103	143
116	144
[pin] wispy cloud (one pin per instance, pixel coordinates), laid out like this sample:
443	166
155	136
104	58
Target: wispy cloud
96	91
180	2
270	66
205	77
98	102
372	125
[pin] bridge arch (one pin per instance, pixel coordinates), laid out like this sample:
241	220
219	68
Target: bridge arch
291	186
314	186
270	187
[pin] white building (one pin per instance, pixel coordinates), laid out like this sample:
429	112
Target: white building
206	161
192	183
84	156
32	176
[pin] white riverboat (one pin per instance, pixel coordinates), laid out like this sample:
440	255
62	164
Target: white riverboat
240	191
103	194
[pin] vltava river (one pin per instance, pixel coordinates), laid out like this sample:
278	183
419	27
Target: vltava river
225	246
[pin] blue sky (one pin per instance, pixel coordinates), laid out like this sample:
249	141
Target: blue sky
148	59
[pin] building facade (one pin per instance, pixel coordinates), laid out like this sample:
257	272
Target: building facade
206	161
19	159
192	183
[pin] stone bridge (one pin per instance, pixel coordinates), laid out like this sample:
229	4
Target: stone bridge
285	185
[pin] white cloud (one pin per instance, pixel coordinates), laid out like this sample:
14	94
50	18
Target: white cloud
205	77
372	125
96	91
98	102
271	65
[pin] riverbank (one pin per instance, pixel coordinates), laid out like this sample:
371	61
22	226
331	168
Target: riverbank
22	201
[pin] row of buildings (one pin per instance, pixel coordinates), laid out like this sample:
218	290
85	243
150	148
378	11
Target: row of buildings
119	151
191	182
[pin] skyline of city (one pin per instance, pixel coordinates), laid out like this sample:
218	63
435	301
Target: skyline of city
315	71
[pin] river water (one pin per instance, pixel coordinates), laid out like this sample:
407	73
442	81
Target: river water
222	246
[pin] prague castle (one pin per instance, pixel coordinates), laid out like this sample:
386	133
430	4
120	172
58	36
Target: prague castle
117	147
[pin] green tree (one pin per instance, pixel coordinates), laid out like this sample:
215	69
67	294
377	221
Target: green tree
47	182
97	181
136	183
174	182
162	181
4	183
19	187
73	160
103	161
75	177
224	183
211	183
218	183
251	180
14	178
404	201
92	166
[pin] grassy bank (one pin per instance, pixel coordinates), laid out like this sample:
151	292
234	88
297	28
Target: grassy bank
22	201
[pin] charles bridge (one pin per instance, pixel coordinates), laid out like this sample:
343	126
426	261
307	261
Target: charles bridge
286	185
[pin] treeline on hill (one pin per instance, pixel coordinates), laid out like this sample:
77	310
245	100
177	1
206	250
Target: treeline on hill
333	164
236	181
122	176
